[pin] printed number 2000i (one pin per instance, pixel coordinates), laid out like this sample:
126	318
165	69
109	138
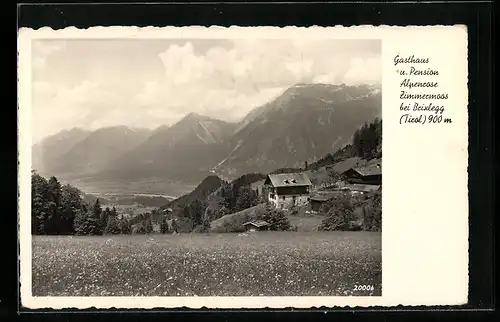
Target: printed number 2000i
363	287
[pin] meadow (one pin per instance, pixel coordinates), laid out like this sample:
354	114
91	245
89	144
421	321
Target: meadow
246	264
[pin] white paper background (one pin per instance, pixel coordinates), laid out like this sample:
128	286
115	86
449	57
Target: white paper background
425	195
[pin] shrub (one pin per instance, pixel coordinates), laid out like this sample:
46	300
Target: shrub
276	218
372	213
203	228
340	215
294	211
184	225
138	229
219	212
164	229
125	226
112	227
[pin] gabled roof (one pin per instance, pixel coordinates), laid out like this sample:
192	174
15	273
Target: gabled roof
345	165
288	179
371	170
321	198
257	224
363	187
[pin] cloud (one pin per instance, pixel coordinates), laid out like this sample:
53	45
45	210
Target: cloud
42	49
225	82
252	72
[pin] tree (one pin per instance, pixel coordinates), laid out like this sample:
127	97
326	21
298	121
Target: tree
139	229
80	221
54	202
356	142
85	222
175	226
186	211
125	226
148	227
71	203
340	214
164	225
367	140
39	203
97	218
229	198
276	218
196	211
92	220
246	198
112	227
372	213
103	221
334	177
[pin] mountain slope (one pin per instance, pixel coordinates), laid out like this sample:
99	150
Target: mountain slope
304	123
97	149
46	152
208	186
184	152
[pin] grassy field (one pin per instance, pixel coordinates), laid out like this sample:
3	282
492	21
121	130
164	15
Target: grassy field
249	264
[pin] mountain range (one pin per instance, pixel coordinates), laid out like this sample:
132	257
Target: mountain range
304	123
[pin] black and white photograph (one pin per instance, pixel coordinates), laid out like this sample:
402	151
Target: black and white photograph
206	167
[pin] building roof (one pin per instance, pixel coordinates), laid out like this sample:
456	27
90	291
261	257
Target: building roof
345	165
258	224
288	179
371	170
363	187
321	198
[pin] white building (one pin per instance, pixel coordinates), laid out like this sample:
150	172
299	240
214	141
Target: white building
285	190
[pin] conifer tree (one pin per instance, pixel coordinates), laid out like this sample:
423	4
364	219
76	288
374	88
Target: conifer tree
246	198
71	203
54	194
39	203
164	225
125	226
149	225
112	227
103	222
175	226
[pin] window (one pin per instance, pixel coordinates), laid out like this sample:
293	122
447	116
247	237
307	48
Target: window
283	197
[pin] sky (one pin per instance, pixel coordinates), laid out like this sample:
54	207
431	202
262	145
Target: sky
152	82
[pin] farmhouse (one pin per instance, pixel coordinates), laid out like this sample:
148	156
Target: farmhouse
256	225
371	175
285	190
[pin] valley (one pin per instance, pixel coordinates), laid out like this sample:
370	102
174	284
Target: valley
303	124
